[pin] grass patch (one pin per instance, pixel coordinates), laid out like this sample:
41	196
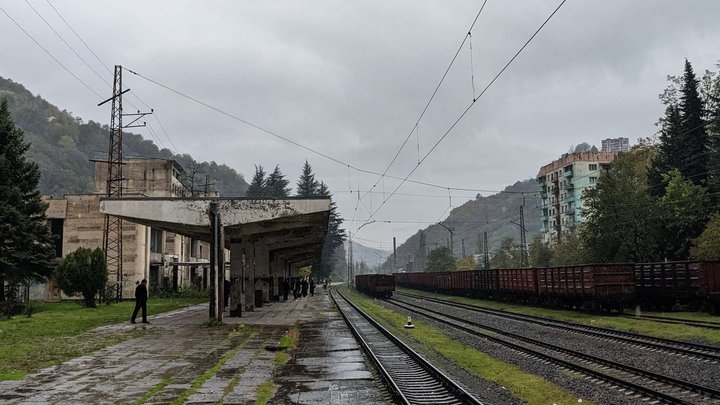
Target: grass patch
57	332
264	392
287	343
157	388
651	328
211	372
528	387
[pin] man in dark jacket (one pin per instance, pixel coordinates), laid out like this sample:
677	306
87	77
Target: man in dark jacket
141	296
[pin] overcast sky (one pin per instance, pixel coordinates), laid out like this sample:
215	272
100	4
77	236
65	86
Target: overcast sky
350	79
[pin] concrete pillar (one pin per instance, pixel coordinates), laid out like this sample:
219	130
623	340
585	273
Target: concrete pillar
262	269
249	274
237	295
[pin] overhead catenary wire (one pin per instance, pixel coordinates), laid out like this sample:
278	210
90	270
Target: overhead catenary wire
462	115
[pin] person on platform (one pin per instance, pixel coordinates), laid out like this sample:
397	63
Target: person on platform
312	287
141	296
296	288
304	287
226	292
286	289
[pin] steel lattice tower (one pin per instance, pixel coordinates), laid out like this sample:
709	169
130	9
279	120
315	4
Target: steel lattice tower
112	237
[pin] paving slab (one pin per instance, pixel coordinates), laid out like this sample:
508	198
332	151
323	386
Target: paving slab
176	351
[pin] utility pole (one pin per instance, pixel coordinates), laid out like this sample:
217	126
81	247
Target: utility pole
487	251
350	259
523	239
463	247
112	232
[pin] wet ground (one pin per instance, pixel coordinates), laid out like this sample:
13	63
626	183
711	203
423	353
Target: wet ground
177	357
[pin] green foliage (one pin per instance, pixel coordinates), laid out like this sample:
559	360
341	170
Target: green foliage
440	259
571	251
307	186
508	256
277	185
62	146
621	221
466	263
541	253
83	271
684	206
27	250
707	245
258	183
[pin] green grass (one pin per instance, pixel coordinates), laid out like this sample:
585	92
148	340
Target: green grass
265	391
208	374
651	328
287	343
157	388
57	332
528	387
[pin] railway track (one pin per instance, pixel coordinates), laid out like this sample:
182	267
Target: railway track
691	350
667	319
412	379
627	379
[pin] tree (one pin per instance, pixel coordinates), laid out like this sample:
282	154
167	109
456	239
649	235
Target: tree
27	250
258	184
335	237
508	256
571	251
621	220
276	184
307	186
694	136
466	263
83	271
707	245
541	254
684	207
440	259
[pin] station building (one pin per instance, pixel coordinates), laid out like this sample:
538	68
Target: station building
562	183
166	259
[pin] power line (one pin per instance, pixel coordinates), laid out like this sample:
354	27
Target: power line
462	115
432	96
50	54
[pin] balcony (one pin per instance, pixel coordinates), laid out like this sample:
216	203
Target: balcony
568	173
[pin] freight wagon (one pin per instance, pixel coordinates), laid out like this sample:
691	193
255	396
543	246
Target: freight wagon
668	284
377	285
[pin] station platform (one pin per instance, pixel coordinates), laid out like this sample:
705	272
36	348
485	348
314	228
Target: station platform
176	356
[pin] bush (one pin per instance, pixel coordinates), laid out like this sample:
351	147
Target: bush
83	271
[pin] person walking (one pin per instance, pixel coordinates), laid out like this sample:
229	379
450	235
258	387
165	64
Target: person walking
141	297
312	287
304	287
286	289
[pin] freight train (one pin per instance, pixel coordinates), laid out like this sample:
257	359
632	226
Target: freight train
607	287
377	285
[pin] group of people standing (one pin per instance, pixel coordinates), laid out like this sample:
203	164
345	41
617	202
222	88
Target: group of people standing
299	287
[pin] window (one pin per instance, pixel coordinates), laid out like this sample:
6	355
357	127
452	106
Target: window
593	180
156	240
592	166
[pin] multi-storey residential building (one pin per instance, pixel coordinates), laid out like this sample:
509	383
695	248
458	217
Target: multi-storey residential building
615	145
165	259
561	189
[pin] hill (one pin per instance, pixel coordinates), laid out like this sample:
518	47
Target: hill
493	214
370	256
63	145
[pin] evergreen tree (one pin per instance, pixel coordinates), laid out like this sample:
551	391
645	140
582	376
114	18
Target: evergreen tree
258	184
669	150
693	165
83	271
307	186
27	250
277	185
713	110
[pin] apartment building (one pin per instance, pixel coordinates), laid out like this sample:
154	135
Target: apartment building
615	145
562	183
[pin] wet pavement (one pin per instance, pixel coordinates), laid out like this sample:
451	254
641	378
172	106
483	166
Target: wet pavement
177	357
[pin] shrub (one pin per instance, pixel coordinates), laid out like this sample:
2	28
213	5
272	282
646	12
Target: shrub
83	271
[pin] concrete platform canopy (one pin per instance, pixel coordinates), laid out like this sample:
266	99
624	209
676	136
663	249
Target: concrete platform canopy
269	239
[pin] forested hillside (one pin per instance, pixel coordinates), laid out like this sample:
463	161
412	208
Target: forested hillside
492	214
63	145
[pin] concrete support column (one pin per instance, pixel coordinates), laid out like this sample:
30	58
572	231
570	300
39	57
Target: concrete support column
248	248
262	269
237	295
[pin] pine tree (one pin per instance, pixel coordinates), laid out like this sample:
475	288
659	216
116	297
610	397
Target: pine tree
277	185
335	235
258	184
713	127
27	251
307	186
669	150
695	141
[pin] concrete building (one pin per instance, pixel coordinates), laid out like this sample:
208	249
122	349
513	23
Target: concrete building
165	259
561	189
615	145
